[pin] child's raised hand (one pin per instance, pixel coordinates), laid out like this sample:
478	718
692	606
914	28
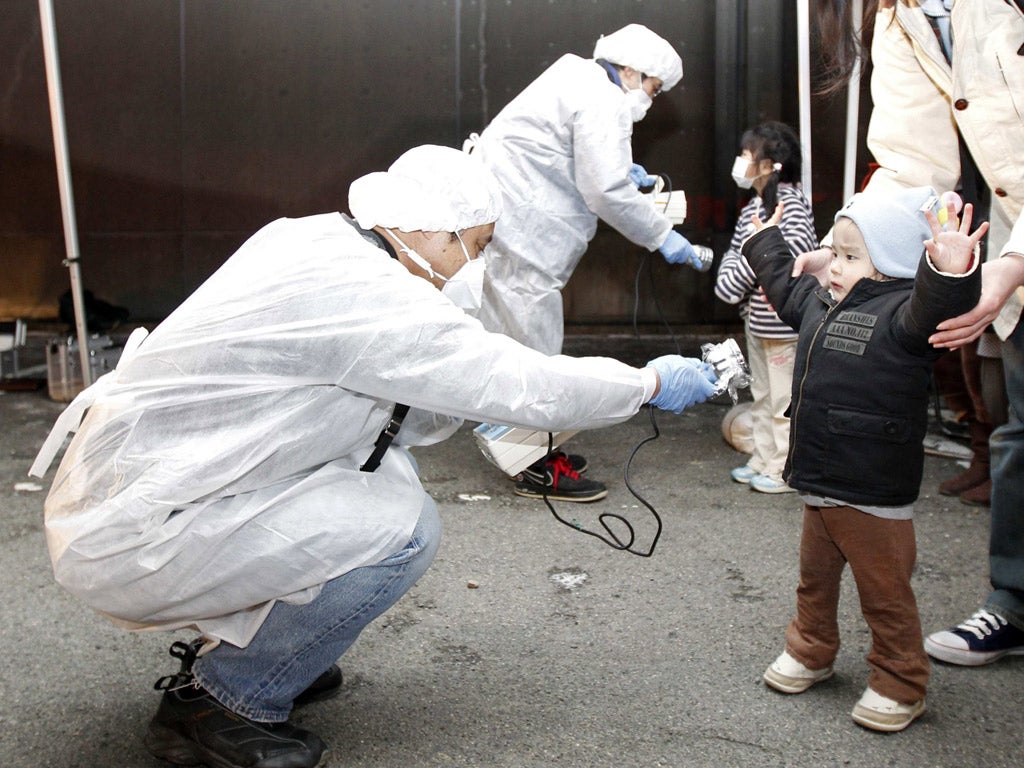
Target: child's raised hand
773	220
815	263
952	251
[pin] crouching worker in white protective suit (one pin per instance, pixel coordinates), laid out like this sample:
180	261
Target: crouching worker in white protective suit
225	477
561	151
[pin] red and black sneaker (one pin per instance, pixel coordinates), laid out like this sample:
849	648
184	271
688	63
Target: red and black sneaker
577	462
556	478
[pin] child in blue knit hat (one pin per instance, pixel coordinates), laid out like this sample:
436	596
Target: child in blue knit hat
857	420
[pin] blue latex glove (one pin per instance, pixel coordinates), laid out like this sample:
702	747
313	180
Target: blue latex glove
685	381
639	176
677	250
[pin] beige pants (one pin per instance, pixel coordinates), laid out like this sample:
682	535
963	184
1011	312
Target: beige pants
771	369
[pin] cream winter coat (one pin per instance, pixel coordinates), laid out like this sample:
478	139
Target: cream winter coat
921	102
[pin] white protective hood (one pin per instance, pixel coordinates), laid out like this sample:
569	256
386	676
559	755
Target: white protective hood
217	469
638	47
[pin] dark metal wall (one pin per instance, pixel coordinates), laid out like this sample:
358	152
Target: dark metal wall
192	123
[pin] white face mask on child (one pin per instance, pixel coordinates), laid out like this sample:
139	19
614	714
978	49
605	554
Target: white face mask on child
740	166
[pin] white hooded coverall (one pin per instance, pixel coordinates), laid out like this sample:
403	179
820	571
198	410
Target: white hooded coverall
217	469
561	152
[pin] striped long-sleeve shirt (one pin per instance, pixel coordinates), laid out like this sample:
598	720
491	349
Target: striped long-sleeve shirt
737	283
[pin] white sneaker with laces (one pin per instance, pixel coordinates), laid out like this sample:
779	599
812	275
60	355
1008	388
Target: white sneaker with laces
788	675
880	713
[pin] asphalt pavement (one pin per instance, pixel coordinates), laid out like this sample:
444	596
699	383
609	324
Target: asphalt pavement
529	643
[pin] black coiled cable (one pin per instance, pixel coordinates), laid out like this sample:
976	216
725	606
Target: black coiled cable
612	539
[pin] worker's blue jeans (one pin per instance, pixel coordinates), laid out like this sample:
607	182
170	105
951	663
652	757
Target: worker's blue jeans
297	643
1006	547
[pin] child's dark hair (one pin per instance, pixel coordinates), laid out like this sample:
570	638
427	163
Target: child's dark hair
778	143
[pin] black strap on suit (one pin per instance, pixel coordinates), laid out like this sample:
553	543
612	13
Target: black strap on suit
385	437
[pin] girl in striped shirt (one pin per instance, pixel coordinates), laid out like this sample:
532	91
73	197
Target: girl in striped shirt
769	163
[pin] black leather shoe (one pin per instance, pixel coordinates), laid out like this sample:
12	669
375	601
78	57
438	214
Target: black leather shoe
327	686
192	728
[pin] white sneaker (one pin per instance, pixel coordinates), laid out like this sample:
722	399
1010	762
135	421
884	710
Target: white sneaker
744	473
880	713
766	484
788	675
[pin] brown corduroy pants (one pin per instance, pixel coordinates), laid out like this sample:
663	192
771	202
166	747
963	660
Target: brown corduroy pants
881	554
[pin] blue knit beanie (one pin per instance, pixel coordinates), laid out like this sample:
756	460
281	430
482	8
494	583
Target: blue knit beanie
893	226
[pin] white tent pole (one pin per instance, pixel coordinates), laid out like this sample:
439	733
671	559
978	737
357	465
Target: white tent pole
67	200
853	110
804	64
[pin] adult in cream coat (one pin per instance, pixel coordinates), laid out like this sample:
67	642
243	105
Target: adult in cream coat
923	106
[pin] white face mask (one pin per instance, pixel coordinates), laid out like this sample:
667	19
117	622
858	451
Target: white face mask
639	102
739	173
466	287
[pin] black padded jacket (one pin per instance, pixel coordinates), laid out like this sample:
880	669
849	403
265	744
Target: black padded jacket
859	408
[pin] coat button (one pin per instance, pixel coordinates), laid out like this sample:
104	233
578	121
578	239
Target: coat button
890	427
999	192
960	104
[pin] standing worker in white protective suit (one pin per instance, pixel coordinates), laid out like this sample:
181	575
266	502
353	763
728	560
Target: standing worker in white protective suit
562	154
222	478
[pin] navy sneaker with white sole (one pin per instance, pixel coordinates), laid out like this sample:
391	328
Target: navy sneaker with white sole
981	639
